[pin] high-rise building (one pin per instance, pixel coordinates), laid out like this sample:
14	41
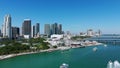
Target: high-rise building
26	27
99	32
56	28
52	29
33	31
15	32
21	31
37	29
0	32
90	32
47	30
60	29
7	30
2	29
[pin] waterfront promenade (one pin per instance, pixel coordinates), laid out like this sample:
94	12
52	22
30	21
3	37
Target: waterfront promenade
48	50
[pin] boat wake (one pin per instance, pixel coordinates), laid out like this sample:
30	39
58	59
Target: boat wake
64	65
114	64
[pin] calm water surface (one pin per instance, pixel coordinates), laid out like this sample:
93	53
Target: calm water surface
76	58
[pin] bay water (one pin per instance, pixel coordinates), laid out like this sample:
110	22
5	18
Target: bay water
76	58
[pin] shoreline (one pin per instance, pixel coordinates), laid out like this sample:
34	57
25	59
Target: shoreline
2	57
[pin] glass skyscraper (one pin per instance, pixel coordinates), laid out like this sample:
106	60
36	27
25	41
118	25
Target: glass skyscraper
53	29
47	30
37	29
26	27
33	31
15	32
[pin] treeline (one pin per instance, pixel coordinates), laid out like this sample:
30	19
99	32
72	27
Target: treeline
39	43
13	47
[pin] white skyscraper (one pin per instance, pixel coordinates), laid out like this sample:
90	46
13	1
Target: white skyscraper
7	31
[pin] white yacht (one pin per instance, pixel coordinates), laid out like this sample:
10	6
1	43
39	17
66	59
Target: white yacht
105	45
114	64
110	64
64	65
95	49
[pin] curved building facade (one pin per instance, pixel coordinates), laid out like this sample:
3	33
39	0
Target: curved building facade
7	30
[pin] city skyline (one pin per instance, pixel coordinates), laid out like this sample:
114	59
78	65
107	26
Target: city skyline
77	15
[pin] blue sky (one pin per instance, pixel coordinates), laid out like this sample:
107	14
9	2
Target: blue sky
74	15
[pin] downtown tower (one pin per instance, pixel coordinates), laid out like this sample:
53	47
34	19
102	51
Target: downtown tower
7	29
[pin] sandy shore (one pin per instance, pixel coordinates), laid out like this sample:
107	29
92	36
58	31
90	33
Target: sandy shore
25	53
48	50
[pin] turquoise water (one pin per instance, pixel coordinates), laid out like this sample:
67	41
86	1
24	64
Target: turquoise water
76	58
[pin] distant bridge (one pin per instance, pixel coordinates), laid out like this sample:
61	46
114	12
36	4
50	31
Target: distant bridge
106	39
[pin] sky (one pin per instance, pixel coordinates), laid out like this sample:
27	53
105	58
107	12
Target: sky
74	15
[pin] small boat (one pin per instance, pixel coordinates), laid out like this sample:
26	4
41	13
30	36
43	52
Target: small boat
65	48
110	64
95	49
64	65
114	64
105	45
